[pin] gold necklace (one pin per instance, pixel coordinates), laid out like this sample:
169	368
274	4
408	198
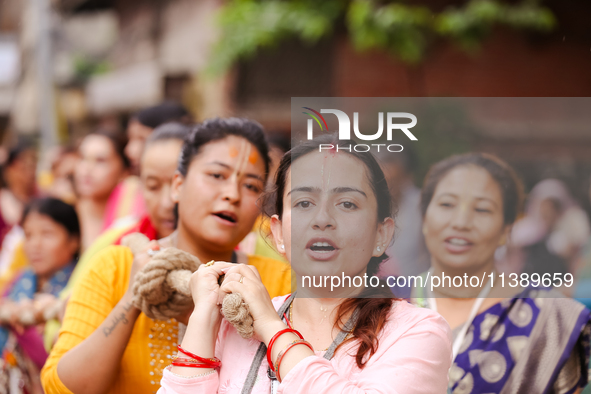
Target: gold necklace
324	309
290	317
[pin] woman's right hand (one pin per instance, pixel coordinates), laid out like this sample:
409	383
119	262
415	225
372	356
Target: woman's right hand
139	261
205	286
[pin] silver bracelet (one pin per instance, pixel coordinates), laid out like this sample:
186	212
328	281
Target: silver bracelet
193	376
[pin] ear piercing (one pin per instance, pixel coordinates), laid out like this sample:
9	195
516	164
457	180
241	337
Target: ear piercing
282	247
379	248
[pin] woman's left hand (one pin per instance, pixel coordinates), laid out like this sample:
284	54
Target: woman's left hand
245	279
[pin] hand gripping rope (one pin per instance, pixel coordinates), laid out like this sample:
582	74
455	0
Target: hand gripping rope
161	288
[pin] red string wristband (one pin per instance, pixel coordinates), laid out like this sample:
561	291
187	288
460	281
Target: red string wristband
272	342
189	362
214	361
284	352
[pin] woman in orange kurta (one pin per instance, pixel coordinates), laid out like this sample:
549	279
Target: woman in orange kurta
106	344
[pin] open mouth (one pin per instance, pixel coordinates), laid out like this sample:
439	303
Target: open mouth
227	216
458	241
322	247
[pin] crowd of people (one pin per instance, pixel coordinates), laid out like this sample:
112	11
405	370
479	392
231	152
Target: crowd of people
263	217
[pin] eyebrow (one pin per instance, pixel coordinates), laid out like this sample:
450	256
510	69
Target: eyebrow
248	175
336	190
478	198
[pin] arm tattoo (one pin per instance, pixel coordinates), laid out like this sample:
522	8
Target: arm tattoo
118	318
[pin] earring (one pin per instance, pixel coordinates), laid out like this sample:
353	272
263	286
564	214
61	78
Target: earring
282	247
379	249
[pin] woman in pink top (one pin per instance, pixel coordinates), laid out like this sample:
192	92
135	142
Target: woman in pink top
338	208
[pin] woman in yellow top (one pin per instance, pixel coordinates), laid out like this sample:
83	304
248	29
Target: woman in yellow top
107	345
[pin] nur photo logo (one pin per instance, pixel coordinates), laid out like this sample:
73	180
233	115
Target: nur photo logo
344	130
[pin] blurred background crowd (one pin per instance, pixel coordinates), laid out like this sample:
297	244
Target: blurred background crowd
84	84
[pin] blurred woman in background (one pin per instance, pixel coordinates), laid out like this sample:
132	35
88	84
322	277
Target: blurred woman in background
52	244
158	165
102	166
502	331
19	182
127	199
19	188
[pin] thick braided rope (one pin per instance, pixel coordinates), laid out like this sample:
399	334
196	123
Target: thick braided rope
161	288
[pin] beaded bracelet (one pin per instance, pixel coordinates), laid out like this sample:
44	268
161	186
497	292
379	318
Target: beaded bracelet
213	362
272	342
192	376
283	352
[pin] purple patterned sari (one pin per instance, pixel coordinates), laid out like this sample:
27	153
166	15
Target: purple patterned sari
536	342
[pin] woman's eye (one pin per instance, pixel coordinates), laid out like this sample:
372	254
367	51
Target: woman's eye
304	204
348	205
253	188
216	175
483	210
446	205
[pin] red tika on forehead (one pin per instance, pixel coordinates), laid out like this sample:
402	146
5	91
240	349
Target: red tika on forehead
253	157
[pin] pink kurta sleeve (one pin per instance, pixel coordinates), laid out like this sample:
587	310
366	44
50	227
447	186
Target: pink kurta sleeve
414	356
172	384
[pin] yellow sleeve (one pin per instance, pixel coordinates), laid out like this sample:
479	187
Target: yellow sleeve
106	239
93	298
275	275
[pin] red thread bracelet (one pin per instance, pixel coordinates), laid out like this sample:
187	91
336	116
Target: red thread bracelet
189	362
272	342
284	352
214	361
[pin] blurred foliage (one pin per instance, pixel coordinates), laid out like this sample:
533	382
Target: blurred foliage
393	26
84	68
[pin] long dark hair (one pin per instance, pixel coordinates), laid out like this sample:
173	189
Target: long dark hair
373	304
508	181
